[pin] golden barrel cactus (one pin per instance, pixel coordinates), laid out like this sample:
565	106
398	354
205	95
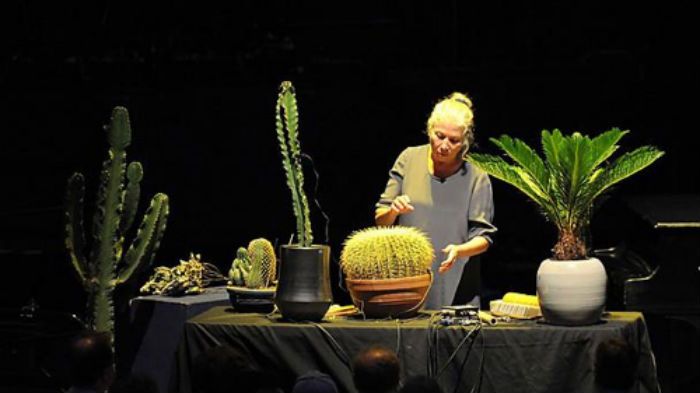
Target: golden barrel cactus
386	252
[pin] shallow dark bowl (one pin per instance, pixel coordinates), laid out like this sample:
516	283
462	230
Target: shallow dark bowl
252	300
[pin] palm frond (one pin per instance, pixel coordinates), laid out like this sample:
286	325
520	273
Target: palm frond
573	155
604	145
500	169
586	196
581	157
624	167
515	176
552	145
526	157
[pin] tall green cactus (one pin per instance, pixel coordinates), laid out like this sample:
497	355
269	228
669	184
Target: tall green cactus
287	117
386	252
107	265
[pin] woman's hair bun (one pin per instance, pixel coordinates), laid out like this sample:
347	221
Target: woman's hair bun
461	98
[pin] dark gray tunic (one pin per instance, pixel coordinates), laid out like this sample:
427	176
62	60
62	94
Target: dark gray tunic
450	211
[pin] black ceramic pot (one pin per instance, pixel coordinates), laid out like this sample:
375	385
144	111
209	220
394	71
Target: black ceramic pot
304	288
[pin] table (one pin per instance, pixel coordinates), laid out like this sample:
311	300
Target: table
157	325
526	356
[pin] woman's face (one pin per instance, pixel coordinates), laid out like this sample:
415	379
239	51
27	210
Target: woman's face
446	141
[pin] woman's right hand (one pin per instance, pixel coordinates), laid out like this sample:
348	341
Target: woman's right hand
402	205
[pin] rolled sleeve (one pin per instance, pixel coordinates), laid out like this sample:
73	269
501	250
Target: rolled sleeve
481	210
395	182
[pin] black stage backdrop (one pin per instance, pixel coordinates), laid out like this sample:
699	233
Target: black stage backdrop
200	83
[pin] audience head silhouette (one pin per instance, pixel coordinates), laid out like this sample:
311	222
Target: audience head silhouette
315	382
91	362
376	370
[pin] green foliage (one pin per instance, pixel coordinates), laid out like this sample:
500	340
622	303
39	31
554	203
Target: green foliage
287	118
386	252
254	267
565	184
115	209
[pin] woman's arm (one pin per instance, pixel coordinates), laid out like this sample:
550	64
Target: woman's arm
391	203
475	246
481	228
385	216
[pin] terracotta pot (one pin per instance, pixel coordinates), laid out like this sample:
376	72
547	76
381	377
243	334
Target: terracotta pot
395	298
571	292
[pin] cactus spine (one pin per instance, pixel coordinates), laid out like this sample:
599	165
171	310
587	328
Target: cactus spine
254	267
386	252
287	117
107	265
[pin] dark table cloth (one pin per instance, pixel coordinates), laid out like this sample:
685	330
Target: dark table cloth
157	325
523	356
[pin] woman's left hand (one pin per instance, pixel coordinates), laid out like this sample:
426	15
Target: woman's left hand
451	251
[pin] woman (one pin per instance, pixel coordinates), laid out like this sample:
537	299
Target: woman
432	187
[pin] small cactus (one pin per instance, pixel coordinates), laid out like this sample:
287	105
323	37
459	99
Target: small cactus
263	263
254	267
386	252
240	268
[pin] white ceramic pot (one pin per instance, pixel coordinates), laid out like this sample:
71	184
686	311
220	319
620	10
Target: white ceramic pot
571	292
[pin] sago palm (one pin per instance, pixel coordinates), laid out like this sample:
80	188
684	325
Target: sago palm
573	173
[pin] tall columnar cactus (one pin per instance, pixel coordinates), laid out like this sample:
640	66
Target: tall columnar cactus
256	266
107	265
386	252
287	118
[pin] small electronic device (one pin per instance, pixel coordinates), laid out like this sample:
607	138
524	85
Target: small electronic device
459	315
465	310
